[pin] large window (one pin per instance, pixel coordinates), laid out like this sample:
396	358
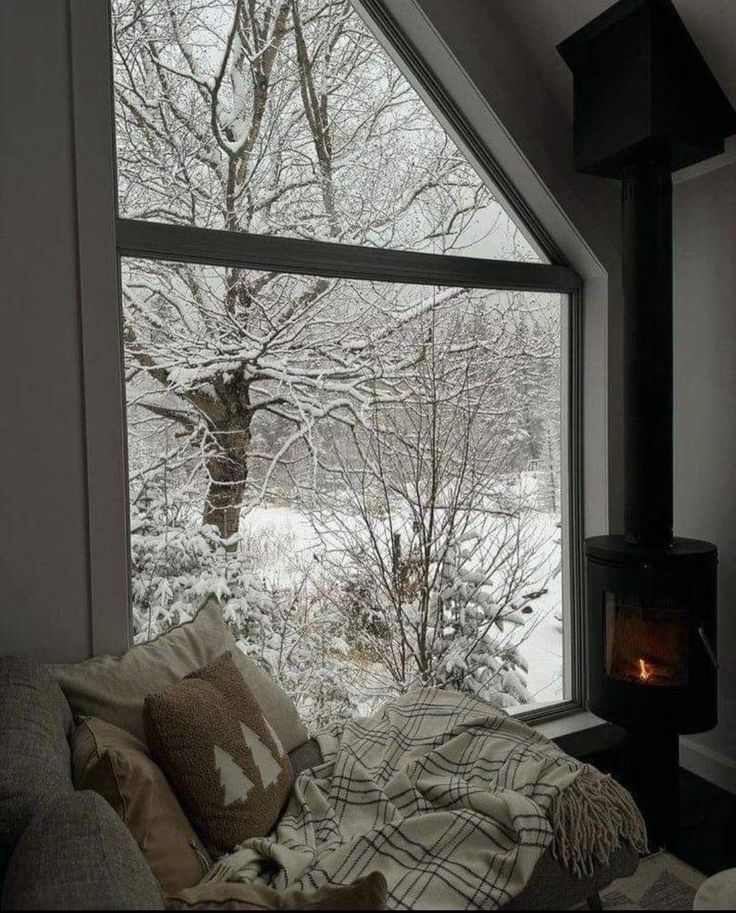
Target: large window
348	366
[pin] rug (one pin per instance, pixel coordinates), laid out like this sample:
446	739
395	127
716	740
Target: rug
662	882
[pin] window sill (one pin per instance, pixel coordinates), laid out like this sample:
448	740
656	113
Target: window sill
581	733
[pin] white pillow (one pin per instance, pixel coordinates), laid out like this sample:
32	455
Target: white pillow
113	688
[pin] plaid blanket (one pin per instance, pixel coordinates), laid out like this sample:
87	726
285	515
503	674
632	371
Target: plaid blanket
445	795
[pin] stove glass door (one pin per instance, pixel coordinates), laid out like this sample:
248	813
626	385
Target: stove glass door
646	642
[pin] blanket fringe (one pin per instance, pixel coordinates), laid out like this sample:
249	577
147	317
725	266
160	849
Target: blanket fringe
591	818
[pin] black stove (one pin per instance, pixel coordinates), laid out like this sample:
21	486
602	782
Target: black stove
646	104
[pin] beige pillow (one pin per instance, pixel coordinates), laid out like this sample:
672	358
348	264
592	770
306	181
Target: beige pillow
113	688
225	762
116	765
367	893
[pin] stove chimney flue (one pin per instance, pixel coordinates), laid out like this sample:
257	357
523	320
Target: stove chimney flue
646	104
647	282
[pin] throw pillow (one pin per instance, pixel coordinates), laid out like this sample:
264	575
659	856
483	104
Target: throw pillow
114	764
368	893
225	762
113	688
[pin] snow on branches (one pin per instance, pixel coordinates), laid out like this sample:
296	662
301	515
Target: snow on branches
245	388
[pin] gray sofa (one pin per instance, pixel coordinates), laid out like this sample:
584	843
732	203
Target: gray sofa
61	849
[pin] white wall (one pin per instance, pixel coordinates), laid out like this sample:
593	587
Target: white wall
44	593
705	419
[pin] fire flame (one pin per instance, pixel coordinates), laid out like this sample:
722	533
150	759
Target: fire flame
644	671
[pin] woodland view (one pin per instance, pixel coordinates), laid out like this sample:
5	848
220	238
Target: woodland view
367	473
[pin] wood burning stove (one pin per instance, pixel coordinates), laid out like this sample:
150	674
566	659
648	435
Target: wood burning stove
651	633
646	103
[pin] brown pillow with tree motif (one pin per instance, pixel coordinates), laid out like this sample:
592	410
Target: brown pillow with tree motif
113	763
223	759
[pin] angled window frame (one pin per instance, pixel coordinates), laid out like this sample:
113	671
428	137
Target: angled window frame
103	233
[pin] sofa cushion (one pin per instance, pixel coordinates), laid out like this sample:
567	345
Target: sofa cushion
277	706
552	887
305	757
367	893
77	855
226	764
35	759
113	688
113	763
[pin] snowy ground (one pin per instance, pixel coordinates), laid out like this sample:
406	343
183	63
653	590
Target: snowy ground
543	649
289	542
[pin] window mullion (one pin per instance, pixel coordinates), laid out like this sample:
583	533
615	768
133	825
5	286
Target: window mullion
160	241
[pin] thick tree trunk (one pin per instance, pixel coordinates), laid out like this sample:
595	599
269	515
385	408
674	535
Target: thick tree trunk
222	508
228	471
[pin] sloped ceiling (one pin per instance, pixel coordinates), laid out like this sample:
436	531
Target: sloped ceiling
539	26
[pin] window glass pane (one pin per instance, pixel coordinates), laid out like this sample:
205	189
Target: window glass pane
368	472
289	118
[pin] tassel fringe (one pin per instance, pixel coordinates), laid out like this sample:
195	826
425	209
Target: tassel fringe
591	818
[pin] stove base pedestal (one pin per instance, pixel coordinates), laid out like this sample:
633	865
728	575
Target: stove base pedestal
651	770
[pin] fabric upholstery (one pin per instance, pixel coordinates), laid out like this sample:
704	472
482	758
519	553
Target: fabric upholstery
35	760
228	768
277	706
77	855
116	765
113	688
305	757
450	799
367	893
552	887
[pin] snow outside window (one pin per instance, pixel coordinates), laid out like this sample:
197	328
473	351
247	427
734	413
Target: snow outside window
368	472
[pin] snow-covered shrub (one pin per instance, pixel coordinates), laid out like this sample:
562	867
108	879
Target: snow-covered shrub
303	647
465	642
430	536
177	562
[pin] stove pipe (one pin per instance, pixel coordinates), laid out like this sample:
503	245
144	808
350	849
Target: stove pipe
646	104
647	282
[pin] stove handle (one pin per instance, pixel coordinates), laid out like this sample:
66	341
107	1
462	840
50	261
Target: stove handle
708	648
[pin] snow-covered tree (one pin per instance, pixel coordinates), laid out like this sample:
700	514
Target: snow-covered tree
246	387
430	510
281	117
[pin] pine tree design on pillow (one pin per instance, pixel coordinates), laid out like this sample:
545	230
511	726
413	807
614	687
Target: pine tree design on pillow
265	760
276	740
264	745
233	779
221	755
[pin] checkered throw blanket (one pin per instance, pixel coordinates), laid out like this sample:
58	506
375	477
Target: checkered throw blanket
449	798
